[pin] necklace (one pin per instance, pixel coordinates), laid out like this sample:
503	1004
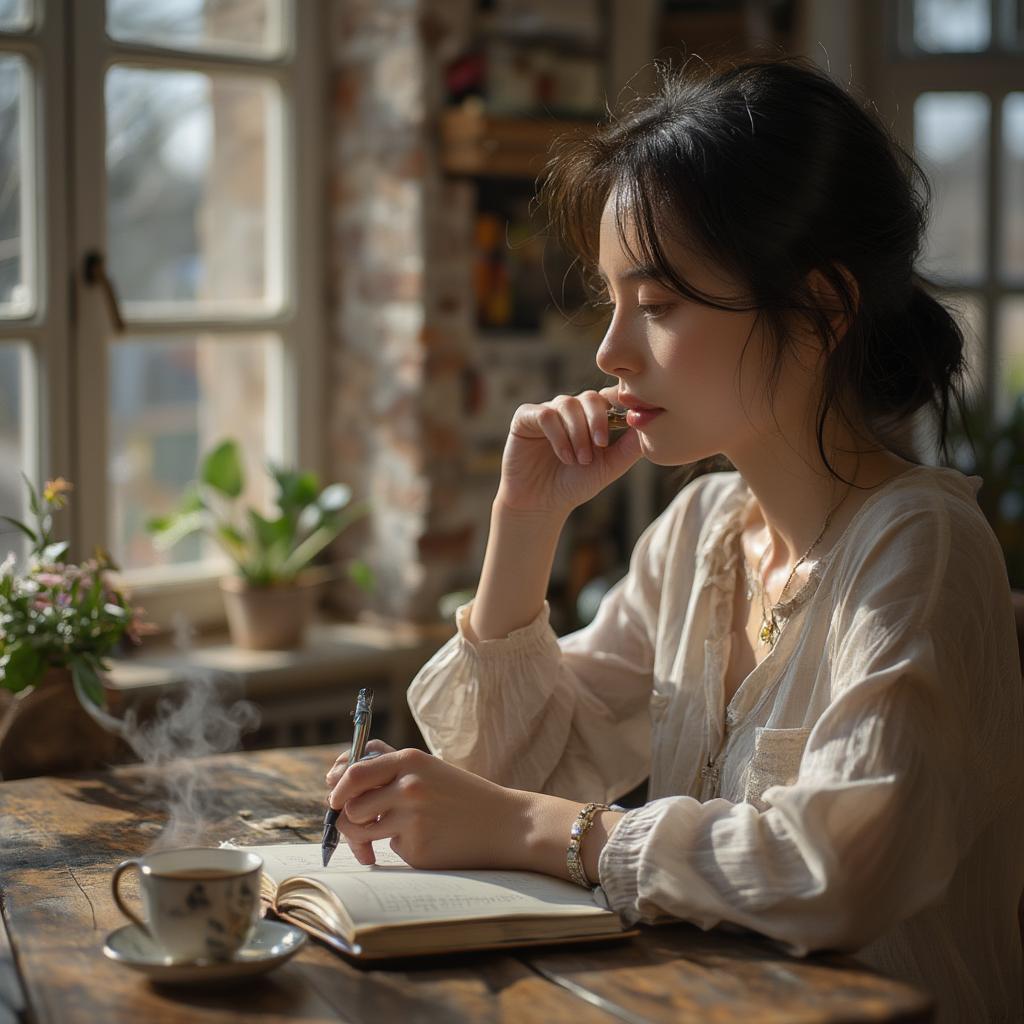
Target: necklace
770	628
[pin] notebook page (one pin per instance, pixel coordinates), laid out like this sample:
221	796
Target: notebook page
393	893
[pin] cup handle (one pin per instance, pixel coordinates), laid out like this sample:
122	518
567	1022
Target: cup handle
121	905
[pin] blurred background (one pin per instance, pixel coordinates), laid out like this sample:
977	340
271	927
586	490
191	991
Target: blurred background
314	219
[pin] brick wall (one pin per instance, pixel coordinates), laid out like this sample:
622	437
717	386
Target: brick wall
401	321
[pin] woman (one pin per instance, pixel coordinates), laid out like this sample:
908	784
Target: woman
811	657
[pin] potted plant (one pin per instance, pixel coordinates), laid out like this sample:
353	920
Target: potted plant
269	600
58	624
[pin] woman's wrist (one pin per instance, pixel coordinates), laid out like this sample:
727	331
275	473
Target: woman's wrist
515	574
548	821
596	839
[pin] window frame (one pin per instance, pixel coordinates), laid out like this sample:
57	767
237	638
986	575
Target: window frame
46	415
894	80
295	412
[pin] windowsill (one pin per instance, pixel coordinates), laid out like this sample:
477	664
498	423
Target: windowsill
316	680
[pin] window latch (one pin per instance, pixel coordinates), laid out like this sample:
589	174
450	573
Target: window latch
94	271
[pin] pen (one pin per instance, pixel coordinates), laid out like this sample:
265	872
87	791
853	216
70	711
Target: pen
617	419
362	716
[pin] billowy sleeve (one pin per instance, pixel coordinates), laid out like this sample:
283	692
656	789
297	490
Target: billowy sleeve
897	778
567	716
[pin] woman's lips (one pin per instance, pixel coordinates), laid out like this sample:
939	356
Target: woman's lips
638	415
639	418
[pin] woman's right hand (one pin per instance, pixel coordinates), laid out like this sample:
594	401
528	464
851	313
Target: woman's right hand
558	454
337	769
363	852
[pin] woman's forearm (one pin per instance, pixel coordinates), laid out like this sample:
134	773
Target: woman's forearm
516	571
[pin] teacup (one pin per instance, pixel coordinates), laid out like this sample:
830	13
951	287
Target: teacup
199	904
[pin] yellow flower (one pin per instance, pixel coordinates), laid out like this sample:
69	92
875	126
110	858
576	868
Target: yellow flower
54	491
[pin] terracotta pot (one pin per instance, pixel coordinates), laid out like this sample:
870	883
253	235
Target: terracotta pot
270	618
45	730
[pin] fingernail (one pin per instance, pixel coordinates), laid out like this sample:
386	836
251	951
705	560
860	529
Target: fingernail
600	439
586	458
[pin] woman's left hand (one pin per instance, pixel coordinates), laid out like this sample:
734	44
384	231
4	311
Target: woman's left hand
435	814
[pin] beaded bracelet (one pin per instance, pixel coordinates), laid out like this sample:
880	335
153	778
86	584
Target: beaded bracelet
572	852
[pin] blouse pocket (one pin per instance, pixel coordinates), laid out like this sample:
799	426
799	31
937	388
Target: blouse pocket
776	762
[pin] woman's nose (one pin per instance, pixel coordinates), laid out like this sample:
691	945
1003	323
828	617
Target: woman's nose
616	355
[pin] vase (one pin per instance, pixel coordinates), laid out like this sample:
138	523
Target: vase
270	618
44	730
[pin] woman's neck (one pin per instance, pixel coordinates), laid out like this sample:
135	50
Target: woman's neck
794	492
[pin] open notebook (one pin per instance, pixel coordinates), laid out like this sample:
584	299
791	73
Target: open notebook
391	910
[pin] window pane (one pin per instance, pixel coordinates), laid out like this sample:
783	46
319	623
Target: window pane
1010	359
254	27
15	383
1011	216
15	15
171	400
950	136
187	178
15	294
952	26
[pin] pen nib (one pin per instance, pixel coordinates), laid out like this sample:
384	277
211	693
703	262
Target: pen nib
329	844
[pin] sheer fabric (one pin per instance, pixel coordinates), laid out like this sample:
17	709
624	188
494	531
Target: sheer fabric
864	788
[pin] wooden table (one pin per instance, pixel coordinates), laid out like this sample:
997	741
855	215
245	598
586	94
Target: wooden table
60	837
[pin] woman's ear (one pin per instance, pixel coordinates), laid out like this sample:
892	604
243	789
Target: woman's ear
828	296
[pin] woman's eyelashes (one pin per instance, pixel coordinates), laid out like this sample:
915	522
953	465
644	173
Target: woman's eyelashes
648	310
653	310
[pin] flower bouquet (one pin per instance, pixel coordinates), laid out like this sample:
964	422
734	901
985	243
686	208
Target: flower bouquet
58	623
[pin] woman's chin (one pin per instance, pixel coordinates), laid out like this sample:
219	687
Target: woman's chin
664	455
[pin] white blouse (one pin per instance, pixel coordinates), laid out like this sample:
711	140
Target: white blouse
863	790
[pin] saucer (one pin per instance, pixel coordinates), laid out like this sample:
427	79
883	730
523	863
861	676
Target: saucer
270	944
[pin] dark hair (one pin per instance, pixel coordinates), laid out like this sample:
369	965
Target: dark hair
773	170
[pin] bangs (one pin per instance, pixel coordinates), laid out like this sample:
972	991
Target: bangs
651	206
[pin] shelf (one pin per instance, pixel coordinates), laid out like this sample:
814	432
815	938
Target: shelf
481	145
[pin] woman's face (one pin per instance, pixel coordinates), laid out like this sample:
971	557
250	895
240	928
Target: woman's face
683	357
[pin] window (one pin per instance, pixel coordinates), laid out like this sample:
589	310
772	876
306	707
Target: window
950	81
190	134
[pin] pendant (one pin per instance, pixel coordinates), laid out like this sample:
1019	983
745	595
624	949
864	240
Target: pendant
710	774
769	630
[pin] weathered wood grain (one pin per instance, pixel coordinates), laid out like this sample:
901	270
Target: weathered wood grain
12	999
61	837
678	974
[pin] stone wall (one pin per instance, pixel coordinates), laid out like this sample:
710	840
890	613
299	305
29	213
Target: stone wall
401	324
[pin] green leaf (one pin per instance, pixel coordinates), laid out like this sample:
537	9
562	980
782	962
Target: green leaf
178	528
231	537
88	682
269	532
157	524
24	529
33	498
21	666
296	490
361	575
192	501
222	469
305	489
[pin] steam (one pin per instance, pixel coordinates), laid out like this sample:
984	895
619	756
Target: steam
206	716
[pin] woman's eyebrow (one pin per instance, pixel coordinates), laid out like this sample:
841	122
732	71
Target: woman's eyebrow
638	273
